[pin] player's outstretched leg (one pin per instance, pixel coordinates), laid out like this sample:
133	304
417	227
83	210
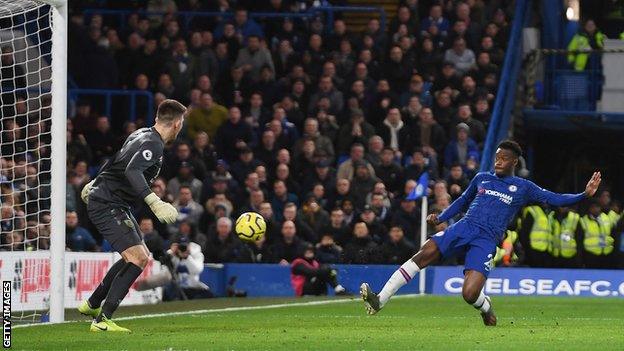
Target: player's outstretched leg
136	258
472	291
375	302
92	306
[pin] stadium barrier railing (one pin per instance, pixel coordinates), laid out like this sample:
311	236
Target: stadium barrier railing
187	17
108	94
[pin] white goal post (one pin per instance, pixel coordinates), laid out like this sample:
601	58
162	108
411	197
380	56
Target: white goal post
58	159
33	95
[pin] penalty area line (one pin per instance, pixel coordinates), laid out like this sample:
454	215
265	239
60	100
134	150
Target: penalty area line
226	309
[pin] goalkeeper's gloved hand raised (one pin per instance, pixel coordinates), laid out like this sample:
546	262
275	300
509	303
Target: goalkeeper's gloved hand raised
165	212
84	194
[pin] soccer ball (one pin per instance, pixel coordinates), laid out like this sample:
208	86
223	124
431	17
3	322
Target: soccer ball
250	226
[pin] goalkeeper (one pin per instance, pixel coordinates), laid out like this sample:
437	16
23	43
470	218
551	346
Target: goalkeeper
123	179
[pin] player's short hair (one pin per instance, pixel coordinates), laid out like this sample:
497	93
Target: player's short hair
169	110
511	146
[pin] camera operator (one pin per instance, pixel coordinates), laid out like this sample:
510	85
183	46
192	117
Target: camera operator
185	262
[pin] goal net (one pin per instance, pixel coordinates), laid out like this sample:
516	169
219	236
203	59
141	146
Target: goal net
33	112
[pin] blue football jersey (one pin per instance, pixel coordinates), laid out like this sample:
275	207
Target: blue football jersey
493	201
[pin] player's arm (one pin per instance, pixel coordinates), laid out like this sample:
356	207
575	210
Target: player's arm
458	205
146	156
538	194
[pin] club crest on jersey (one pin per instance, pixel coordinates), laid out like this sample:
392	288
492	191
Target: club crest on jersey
147	155
513	188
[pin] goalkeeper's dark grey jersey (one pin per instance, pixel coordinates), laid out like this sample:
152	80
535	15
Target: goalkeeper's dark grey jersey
127	176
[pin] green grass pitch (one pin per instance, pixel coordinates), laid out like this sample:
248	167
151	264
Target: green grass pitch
407	323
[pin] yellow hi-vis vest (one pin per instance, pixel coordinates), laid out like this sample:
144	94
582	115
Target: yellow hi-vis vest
597	234
540	232
580	42
614	217
506	254
563	241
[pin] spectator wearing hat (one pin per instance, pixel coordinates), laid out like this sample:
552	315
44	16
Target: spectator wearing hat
461	148
407	216
233	136
396	249
477	129
361	249
185	177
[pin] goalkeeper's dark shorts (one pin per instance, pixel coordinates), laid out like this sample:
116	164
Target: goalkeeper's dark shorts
116	224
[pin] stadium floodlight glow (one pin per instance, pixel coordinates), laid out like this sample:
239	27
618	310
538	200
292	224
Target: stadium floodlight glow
33	39
573	10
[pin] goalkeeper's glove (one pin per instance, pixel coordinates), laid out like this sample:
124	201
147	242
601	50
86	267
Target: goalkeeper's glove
84	194
165	212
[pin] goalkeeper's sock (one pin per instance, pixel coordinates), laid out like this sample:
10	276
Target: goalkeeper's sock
100	292
482	303
119	288
400	277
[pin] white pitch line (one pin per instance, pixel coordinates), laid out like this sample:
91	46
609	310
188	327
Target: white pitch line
218	310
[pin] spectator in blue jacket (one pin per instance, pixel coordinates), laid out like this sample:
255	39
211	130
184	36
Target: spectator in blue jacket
462	148
244	26
78	238
436	20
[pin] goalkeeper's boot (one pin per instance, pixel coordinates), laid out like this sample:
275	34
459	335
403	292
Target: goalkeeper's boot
86	309
107	325
371	300
489	318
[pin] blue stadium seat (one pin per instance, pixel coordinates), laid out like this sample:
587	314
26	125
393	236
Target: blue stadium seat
572	89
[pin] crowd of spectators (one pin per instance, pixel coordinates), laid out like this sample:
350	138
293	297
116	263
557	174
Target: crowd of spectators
321	129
